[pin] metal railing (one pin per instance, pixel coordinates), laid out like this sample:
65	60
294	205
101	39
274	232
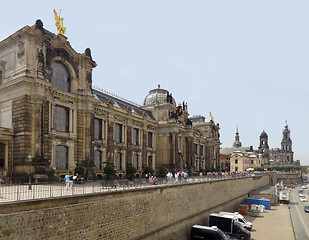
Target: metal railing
14	192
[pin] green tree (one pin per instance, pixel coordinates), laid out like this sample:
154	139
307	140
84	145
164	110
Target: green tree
148	170
162	171
109	170
80	170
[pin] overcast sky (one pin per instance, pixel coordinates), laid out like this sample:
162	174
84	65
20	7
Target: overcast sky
245	61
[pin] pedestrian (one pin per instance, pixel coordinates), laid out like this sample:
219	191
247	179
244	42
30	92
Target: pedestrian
67	180
71	181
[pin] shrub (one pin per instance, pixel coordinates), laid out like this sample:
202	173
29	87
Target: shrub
148	170
80	170
109	170
131	170
162	171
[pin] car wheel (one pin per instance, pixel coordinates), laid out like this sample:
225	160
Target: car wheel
242	237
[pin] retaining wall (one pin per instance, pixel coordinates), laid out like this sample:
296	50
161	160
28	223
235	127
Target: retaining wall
162	212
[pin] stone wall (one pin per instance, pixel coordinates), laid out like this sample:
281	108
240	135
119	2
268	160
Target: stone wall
153	213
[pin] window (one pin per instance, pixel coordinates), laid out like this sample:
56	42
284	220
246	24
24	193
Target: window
118	133
150	159
150	134
236	161
97	129
251	161
135	161
97	159
118	161
1	77
61	157
135	133
60	77
61	119
2	152
202	150
195	149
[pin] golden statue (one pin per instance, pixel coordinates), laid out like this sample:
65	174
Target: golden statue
59	23
211	116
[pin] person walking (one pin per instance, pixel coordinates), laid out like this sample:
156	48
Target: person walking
67	181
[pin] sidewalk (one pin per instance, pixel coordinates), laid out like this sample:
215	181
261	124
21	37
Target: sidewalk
272	224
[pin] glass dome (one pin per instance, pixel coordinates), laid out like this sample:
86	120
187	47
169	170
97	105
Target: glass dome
158	95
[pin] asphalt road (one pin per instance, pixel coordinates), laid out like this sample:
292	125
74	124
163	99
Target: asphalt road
299	218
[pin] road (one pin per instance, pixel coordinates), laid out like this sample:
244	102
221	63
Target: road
299	218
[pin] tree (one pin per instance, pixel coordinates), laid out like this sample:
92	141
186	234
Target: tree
148	170
130	171
109	170
162	171
80	170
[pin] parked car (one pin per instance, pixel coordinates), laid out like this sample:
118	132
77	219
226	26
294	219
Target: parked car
303	199
304	187
229	225
204	232
306	208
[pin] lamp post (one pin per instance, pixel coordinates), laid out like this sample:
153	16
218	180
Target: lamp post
30	161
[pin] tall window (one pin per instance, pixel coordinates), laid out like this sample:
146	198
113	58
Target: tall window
61	157
61	119
60	77
150	159
2	152
97	129
236	161
97	159
1	76
135	161
118	161
118	133
150	135
202	150
196	149
135	139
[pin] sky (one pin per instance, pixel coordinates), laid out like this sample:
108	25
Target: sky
244	61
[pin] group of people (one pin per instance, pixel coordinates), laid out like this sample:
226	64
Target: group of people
179	176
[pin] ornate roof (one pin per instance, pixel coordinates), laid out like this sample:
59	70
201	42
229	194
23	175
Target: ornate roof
159	95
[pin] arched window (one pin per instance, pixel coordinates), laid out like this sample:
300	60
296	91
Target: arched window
60	77
61	157
118	160
97	159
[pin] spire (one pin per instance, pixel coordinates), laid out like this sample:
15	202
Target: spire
237	143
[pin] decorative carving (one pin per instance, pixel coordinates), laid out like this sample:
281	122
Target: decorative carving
89	80
41	65
88	53
59	23
65	56
39	25
21	49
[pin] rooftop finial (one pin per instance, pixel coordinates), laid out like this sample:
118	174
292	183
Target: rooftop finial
159	86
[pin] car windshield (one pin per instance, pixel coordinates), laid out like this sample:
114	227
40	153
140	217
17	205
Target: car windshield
225	237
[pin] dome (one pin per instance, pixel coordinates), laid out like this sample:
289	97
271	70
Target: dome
159	95
263	135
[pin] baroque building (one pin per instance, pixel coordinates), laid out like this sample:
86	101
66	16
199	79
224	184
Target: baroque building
278	156
51	114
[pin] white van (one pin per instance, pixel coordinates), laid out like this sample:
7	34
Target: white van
240	218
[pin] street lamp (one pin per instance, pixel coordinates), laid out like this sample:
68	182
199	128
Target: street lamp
30	161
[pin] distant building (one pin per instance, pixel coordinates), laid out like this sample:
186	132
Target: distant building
241	161
278	156
263	156
51	114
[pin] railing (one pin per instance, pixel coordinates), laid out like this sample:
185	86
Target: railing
13	193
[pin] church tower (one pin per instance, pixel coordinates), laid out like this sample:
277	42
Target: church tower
264	147
286	145
237	143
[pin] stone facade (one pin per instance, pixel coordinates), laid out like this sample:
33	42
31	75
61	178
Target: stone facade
51	114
